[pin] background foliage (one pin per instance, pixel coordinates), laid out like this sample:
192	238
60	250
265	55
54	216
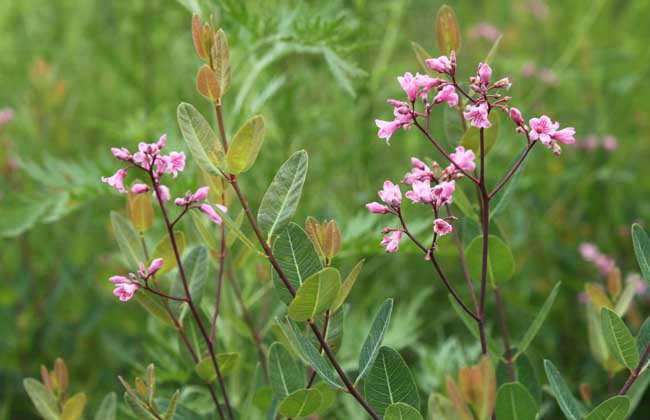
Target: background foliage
82	76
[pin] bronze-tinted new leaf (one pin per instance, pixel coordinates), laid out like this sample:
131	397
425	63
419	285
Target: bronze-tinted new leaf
61	371
331	239
447	31
221	60
198	37
207	83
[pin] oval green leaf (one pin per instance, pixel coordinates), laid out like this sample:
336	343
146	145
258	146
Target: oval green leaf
281	199
619	339
74	407
202	142
245	145
284	373
641	249
615	408
514	402
226	361
401	411
301	403
315	295
42	399
447	30
390	381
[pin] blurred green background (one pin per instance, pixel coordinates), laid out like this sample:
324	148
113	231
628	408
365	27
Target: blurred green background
84	76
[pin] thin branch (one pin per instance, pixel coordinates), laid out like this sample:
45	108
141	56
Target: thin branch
512	170
504	334
636	372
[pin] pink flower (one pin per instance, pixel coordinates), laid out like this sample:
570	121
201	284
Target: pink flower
417	163
442	193
6	115
391	194
589	251
447	94
421	192
125	291
139	188
155	265
441	227
478	115
200	194
211	213
162	141
542	129
484	30
377	208
117	180
515	116
408	84
180	202
391	242
441	64
387	128
121	153
609	143
426	83
484	73
164	193
174	163
566	135
464	158
420	172
119	280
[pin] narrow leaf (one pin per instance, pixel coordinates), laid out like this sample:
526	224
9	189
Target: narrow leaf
641	249
534	328
447	30
347	285
571	408
374	338
43	400
171	408
107	408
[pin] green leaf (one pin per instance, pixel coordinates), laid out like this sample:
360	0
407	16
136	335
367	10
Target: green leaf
226	361
462	202
472	327
138	408
626	298
643	338
151	383
281	198
202	142
285	375
196	265
313	356
128	239
221	59
571	408
514	402
107	408
296	257
152	304
615	408
171	408
328	396
74	407
472	137
525	374
641	249
401	411
42	399
440	407
245	146
501	263
315	295
164	250
374	338
347	286
619	339
235	229
390	381
301	403
534	328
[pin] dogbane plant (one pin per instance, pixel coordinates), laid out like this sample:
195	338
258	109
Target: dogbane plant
299	364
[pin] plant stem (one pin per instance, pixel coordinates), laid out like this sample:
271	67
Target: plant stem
512	170
636	372
181	331
485	222
463	261
190	302
222	260
504	334
269	254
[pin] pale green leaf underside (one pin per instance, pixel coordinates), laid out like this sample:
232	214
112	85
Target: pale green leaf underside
571	408
641	249
619	339
374	338
315	295
284	373
43	401
202	142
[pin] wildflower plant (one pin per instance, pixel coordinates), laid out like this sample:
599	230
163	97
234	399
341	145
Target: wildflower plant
298	371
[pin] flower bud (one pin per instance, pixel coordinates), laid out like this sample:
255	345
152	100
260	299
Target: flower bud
121	153
139	188
201	194
484	73
515	116
155	265
377	208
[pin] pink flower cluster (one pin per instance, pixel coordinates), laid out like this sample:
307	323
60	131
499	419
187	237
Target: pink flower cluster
420	179
150	159
125	287
544	130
